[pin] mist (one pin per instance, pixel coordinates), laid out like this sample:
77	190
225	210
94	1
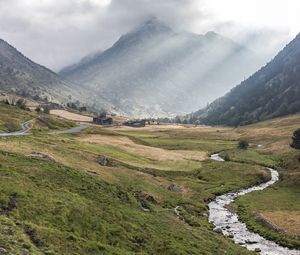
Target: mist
59	33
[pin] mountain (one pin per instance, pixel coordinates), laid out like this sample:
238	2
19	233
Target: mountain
20	75
155	71
271	92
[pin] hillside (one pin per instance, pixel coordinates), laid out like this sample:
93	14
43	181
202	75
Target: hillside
58	199
271	92
20	75
155	71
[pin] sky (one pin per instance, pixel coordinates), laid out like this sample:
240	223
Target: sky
58	33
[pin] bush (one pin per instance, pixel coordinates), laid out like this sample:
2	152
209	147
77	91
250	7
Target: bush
243	144
226	157
21	103
47	109
296	140
12	126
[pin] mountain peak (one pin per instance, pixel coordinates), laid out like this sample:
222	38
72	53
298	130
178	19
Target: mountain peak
153	21
155	25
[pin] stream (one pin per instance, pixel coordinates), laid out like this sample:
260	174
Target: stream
227	222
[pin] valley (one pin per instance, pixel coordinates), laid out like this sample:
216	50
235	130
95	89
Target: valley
57	196
137	127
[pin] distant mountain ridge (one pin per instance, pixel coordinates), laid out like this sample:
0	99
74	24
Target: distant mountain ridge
273	91
20	75
154	71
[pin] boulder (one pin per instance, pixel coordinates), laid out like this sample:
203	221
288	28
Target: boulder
3	250
105	161
251	242
218	230
149	171
174	187
42	156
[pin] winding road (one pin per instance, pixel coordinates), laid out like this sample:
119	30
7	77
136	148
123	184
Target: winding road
73	130
228	223
25	128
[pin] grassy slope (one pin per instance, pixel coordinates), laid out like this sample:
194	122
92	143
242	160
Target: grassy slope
50	122
12	118
281	202
76	206
65	211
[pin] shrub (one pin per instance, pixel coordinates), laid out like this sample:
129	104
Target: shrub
226	157
21	103
243	144
296	140
47	109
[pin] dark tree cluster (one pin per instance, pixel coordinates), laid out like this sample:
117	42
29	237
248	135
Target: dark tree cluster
296	140
243	144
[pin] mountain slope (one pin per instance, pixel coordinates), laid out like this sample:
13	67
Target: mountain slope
154	70
271	92
20	75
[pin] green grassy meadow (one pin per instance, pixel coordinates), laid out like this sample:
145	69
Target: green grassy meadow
70	204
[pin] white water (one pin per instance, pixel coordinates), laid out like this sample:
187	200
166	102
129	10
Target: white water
228	222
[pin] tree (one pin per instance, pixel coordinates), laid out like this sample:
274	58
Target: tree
243	144
47	109
296	140
82	109
21	103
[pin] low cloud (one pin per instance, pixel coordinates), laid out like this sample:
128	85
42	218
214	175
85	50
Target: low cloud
58	33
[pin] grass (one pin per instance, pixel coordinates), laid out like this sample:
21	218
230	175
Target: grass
60	210
251	156
190	144
269	212
73	205
12	118
48	122
253	207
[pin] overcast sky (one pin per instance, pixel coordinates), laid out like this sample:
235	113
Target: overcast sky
56	33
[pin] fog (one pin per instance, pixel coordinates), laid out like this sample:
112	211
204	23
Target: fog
59	33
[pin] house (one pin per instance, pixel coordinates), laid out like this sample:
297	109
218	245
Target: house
135	123
102	119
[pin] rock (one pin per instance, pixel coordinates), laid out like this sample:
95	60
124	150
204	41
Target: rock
251	242
174	187
25	252
150	199
42	156
3	250
257	250
149	171
218	230
231	236
105	161
144	206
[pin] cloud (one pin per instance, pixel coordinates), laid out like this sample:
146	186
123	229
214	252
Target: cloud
58	33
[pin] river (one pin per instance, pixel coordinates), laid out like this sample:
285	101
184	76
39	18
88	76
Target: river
228	223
